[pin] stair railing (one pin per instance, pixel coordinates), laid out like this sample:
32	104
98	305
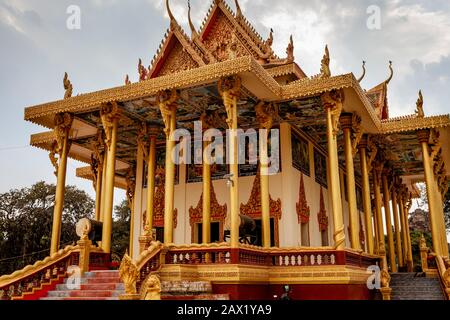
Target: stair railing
41	272
144	269
443	266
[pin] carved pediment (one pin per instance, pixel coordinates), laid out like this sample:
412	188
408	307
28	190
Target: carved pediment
322	214
302	207
218	212
253	207
158	211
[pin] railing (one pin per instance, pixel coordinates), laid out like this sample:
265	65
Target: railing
33	276
275	257
134	273
444	274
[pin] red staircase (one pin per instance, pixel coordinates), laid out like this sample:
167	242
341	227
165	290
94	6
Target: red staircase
95	285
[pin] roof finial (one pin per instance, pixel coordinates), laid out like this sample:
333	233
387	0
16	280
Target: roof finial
364	72
269	40
194	33
67	86
239	14
325	64
392	73
290	50
419	105
173	21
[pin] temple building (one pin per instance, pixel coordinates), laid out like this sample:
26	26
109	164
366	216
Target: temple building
346	173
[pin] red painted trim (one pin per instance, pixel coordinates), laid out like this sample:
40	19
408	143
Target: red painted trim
298	291
37	294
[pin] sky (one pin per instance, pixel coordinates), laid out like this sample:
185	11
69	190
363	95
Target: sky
36	48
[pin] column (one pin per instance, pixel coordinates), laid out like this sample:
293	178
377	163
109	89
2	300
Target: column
346	125
264	115
229	89
167	105
333	104
98	160
63	123
377	172
387	215
206	206
151	171
110	114
150	158
409	259
404	233
424	136
366	194
395	213
102	202
131	192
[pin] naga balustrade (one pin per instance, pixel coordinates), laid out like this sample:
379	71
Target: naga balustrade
42	272
443	267
275	257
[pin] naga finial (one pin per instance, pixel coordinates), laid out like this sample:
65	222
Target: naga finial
127	80
194	33
269	40
290	50
325	64
419	106
392	73
143	73
173	21
364	72
239	14
67	86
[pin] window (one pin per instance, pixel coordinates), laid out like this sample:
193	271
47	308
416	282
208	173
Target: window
320	168
300	154
215	232
259	232
324	235
305	234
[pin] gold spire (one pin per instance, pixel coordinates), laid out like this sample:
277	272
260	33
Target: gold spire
290	50
173	21
364	72
392	73
239	14
419	104
325	64
194	33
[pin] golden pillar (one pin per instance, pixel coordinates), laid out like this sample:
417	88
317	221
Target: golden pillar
206	205
229	89
395	213
151	171
409	259
131	188
332	102
424	137
110	115
347	124
366	194
264	115
97	161
63	123
102	202
377	172
167	105
387	215
404	233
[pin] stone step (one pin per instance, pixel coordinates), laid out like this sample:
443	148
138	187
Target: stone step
92	286
102	274
95	280
417	297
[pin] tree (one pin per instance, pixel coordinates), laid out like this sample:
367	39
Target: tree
26	221
121	230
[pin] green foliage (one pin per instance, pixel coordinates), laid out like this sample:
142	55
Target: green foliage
26	221
121	230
